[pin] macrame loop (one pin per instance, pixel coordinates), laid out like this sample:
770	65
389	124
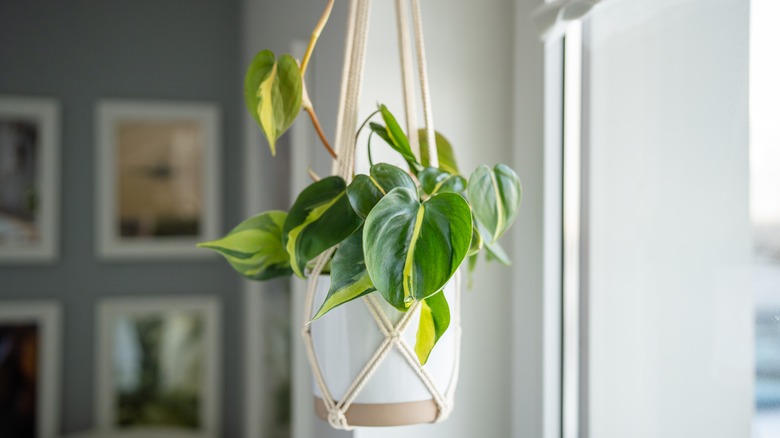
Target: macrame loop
337	419
351	83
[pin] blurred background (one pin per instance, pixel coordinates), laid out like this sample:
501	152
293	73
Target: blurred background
644	296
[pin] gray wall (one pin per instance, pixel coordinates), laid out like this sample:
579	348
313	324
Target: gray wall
78	52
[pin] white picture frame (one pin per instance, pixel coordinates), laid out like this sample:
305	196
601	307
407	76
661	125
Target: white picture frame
29	193
156	158
112	315
45	316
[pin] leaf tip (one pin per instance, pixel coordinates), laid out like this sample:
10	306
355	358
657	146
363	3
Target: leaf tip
421	357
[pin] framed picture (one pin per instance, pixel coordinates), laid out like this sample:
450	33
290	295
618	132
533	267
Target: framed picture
29	369
158	366
157	178
29	175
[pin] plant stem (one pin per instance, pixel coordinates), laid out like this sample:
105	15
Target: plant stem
370	160
364	123
318	128
315	35
314	177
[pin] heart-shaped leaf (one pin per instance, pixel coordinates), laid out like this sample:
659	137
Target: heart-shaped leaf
411	248
444	150
254	247
433	180
495	196
273	93
320	218
366	190
434	320
349	279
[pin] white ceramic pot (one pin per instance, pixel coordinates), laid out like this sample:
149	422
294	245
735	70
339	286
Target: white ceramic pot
347	337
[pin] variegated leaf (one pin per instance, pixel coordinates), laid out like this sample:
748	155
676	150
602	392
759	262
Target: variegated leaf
495	196
273	92
433	180
412	248
366	190
320	218
349	278
254	247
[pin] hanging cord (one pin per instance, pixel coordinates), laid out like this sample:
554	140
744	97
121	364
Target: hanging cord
345	76
352	76
407	70
352	81
433	156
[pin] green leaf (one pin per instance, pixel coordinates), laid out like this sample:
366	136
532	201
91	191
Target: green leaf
433	180
447	161
434	320
254	247
320	218
476	240
395	137
493	251
411	248
273	93
495	196
496	252
349	279
366	190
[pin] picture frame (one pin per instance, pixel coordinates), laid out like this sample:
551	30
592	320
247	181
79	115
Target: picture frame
30	329
29	179
158	178
158	366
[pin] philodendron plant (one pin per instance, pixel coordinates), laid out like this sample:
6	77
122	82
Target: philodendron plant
400	232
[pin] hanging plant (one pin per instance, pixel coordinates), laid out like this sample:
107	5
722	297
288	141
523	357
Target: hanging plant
400	232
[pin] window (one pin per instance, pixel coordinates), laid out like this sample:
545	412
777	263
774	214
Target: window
662	251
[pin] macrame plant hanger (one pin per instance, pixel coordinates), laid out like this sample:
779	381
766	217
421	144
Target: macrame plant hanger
352	76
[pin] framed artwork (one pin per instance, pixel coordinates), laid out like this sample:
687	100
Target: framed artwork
29	175
29	369
158	366
157	178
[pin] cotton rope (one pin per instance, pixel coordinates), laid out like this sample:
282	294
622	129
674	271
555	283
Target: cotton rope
352	76
406	75
433	156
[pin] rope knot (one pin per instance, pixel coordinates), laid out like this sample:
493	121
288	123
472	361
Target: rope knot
394	336
445	409
337	420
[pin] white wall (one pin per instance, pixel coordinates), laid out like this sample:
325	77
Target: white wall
671	317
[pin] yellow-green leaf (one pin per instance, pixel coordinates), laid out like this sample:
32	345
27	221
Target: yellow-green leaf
254	247
434	320
273	93
446	155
